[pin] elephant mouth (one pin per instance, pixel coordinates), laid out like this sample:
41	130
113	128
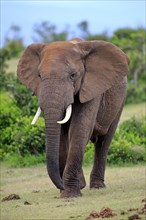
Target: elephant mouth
63	121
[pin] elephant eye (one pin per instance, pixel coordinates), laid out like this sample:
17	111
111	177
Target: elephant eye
39	75
73	76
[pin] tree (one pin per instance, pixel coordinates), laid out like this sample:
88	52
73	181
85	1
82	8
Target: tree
15	42
46	32
132	42
84	28
5	78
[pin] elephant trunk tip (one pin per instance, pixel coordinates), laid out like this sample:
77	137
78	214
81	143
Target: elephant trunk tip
55	177
58	183
60	186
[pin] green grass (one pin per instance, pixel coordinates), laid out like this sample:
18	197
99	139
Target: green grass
125	189
133	110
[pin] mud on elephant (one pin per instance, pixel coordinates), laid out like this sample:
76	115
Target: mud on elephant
81	88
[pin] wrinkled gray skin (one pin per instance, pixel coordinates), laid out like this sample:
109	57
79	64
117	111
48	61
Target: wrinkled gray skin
92	77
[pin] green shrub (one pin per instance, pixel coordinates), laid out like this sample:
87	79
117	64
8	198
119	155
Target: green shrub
17	133
89	153
128	145
24	99
8	121
122	151
29	139
134	130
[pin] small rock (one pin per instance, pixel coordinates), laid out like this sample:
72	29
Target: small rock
132	209
143	200
27	203
11	197
123	213
134	217
35	191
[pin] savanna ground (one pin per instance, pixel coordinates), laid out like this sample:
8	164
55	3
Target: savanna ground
39	199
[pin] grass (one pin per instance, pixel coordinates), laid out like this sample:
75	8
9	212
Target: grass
125	189
133	110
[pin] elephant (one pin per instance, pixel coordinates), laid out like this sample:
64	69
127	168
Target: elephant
81	90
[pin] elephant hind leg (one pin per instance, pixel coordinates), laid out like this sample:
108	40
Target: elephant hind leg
97	174
100	156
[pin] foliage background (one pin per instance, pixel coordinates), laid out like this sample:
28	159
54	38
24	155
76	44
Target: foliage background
23	144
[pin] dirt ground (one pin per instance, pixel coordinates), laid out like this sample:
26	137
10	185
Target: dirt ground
27	193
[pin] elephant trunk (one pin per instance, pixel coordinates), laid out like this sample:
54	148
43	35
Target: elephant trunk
53	103
52	150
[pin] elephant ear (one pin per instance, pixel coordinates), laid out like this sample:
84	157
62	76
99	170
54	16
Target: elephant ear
27	69
105	65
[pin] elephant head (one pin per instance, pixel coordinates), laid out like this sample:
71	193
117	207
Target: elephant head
59	71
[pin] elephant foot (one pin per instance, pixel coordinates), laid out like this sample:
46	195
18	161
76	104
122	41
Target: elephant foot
98	184
69	193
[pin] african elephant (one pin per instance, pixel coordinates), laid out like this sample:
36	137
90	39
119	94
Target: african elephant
83	82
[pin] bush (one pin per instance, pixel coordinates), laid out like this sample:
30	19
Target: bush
29	139
122	151
128	145
17	133
8	120
24	99
89	153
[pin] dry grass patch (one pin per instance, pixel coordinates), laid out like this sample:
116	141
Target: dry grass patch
133	110
39	199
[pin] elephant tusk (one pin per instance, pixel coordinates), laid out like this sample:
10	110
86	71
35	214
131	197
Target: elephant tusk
67	116
36	116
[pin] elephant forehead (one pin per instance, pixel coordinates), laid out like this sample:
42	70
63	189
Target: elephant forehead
60	56
58	50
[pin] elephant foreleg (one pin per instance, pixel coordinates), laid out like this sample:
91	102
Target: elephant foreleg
80	131
100	157
63	152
